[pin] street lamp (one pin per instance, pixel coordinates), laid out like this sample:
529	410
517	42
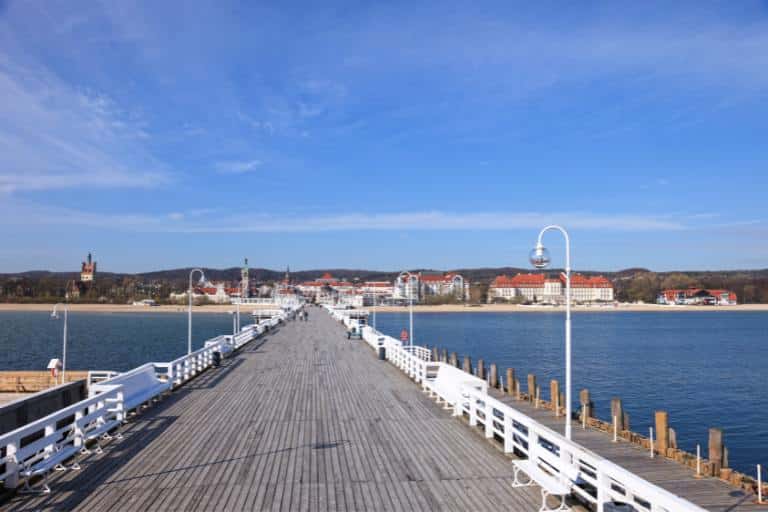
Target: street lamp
54	314
540	259
410	296
189	319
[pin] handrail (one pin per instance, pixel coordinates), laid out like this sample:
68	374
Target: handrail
105	409
80	418
591	477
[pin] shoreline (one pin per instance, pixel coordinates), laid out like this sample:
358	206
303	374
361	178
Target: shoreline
128	308
512	308
446	308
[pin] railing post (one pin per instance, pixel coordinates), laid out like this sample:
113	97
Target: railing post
488	420
472	411
12	465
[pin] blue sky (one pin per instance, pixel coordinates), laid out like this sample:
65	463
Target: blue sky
384	136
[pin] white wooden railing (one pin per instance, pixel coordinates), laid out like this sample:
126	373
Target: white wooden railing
55	441
597	481
112	393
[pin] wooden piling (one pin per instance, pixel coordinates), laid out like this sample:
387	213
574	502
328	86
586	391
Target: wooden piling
493	376
715	453
511	381
617	411
662	432
481	369
434	353
444	356
454	359
517	389
531	387
538	395
586	404
467	367
554	395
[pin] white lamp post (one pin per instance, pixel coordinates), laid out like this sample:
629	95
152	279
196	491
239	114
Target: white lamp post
540	259
410	296
54	314
189	318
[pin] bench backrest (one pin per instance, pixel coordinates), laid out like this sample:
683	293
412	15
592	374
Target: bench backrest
136	384
450	380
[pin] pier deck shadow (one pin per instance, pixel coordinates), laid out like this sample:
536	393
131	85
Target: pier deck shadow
306	421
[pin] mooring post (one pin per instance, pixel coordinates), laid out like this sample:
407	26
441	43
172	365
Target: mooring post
467	367
434	353
698	461
454	359
538	395
715	453
554	395
510	381
531	387
662	432
444	356
651	440
493	376
759	484
617	411
517	389
481	369
586	406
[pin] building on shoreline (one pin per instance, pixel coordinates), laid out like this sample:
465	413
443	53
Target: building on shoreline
697	297
420	285
540	288
88	270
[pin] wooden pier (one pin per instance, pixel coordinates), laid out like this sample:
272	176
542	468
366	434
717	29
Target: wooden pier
305	420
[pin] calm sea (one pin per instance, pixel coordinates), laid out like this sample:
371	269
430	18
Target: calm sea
707	369
102	341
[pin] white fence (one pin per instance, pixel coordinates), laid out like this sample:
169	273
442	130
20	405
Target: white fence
59	436
593	479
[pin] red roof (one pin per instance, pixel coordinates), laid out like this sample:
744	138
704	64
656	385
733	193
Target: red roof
580	281
327	275
519	281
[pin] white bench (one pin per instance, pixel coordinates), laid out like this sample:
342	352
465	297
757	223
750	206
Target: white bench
139	386
43	463
448	382
550	484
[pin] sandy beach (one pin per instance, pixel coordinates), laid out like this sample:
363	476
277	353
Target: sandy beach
449	308
127	308
511	308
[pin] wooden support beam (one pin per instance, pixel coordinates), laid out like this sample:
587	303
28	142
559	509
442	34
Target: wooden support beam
467	367
662	431
481	369
586	403
511	381
493	376
715	453
554	395
617	411
531	387
454	359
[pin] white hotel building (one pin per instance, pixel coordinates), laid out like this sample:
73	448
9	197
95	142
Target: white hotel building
540	288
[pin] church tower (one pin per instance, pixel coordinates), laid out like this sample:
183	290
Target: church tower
287	279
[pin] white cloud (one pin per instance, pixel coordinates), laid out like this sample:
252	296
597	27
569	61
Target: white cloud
53	136
240	167
211	221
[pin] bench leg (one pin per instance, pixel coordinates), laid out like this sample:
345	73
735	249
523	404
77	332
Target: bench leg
545	507
517	483
41	489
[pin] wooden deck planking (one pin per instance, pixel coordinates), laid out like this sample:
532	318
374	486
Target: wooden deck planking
306	421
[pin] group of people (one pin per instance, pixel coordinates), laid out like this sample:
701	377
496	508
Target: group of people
303	315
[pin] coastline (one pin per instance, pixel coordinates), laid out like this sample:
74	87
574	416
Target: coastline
446	308
512	308
127	308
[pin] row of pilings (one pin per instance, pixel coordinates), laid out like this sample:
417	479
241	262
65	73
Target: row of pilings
664	442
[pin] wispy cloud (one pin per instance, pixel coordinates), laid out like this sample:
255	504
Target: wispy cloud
54	136
213	221
238	167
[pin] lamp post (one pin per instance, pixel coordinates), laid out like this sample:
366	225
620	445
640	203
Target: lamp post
54	314
237	306
189	317
410	296
540	259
